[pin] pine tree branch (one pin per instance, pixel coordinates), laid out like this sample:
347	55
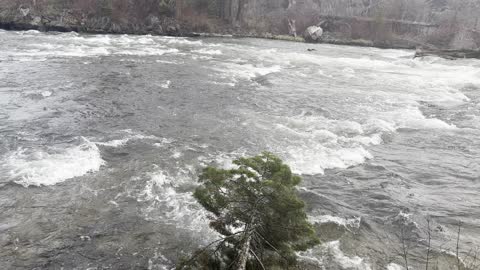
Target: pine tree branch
203	250
258	259
274	248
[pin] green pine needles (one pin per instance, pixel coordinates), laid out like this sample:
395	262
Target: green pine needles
256	210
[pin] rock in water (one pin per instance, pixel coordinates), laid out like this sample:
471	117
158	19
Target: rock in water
313	33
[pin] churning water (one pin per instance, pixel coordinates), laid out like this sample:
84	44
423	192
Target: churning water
102	137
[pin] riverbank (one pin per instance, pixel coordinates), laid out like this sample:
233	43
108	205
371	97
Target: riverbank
172	27
71	20
176	30
449	54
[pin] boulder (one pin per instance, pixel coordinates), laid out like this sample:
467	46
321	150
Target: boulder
37	21
313	33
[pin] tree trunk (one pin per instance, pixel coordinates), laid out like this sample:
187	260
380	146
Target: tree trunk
178	8
291	3
243	255
234	8
292	27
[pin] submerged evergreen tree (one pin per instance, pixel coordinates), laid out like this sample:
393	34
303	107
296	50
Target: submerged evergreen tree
256	210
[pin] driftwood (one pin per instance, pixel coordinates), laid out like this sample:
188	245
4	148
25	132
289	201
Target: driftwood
449	54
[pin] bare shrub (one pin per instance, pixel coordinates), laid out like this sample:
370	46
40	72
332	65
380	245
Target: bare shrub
197	20
443	35
86	7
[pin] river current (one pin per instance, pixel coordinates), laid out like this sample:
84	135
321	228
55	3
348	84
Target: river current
102	138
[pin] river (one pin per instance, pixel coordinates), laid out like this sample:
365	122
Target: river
102	138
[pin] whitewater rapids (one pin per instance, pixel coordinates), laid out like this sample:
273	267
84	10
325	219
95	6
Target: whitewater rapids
102	138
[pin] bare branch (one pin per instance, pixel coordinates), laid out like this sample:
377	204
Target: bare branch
258	259
458	245
429	231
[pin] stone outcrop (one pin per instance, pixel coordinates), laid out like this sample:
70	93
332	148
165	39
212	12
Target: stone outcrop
28	18
313	34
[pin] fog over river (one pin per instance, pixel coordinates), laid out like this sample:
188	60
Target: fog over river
102	138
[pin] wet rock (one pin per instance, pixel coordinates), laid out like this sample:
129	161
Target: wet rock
171	29
85	238
37	20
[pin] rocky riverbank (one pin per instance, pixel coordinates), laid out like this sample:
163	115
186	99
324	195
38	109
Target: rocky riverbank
449	54
67	21
280	22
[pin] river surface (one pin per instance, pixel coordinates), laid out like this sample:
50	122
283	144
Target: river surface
102	138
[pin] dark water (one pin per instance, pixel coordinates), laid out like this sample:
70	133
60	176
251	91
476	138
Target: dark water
102	137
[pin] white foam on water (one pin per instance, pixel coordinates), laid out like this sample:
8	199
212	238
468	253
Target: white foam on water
322	73
231	84
115	143
222	160
177	154
52	166
312	144
144	40
180	41
406	219
348	72
201	57
317	158
375	139
208	52
168	62
247	71
394	266
345	222
345	261
170	206
146	51
407	80
159	262
29	32
412	117
332	250
66	45
163	142
73	50
166	84
130	137
46	93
